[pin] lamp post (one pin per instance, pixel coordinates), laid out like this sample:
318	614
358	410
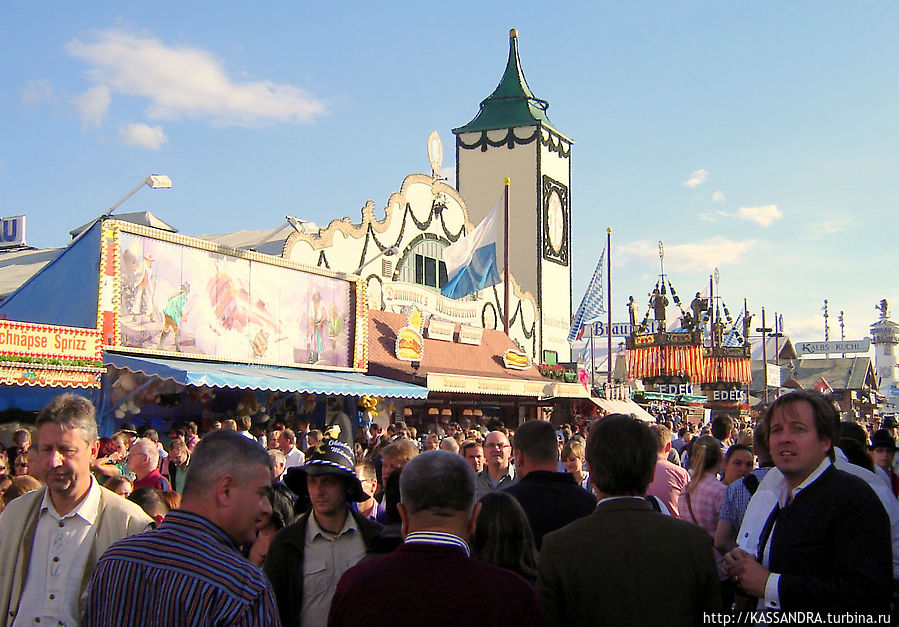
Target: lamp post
154	181
295	223
764	331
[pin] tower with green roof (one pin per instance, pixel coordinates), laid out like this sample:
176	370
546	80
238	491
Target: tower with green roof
512	136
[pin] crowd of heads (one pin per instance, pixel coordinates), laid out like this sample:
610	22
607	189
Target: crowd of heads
422	476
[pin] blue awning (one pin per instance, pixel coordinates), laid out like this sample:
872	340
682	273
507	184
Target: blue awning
245	376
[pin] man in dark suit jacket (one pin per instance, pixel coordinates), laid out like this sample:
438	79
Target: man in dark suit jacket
626	564
431	573
827	543
550	499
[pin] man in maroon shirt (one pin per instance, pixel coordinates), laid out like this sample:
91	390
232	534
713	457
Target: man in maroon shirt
438	510
143	460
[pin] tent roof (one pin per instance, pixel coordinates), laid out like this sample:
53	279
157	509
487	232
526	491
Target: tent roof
145	218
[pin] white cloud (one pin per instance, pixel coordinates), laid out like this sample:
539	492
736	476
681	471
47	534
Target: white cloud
718	196
36	92
714	252
830	227
697	178
92	105
763	216
713	216
808	329
143	136
181	81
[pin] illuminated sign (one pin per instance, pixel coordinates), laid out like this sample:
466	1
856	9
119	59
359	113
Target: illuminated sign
42	376
12	231
50	342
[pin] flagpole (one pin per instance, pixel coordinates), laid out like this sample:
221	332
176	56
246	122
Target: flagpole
506	256
609	300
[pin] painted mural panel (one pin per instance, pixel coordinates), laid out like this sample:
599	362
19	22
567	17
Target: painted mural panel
202	302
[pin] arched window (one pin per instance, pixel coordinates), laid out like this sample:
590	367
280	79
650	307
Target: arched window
423	263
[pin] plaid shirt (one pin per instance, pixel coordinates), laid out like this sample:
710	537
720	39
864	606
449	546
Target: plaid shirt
737	498
701	506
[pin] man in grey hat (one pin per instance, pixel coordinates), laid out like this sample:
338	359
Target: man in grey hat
307	558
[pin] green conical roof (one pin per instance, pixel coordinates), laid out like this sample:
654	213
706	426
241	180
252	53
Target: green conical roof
512	104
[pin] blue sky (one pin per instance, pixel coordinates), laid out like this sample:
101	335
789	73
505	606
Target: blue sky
759	138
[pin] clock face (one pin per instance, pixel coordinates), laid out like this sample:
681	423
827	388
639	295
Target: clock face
556	219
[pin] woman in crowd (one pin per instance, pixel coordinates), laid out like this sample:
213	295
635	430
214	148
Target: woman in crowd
20	466
700	502
281	499
5	482
572	456
109	461
20	485
738	462
121	485
503	536
172	499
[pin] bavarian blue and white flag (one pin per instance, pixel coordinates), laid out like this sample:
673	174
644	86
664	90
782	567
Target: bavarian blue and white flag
592	306
471	261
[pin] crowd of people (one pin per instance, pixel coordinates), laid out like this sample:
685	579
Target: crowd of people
263	521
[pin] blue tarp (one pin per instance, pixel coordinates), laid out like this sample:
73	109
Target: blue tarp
231	375
27	398
63	292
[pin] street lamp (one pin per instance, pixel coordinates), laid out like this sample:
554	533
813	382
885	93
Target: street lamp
300	226
154	181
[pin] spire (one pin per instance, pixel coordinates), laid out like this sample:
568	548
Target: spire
512	104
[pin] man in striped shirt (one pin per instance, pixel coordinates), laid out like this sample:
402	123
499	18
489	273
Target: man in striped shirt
190	571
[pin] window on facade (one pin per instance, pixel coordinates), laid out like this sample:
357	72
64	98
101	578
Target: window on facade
429	271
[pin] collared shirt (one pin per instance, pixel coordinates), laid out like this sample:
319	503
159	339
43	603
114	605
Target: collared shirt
618	498
294	458
737	498
325	558
59	556
668	481
153	480
772	595
487	483
187	572
437	537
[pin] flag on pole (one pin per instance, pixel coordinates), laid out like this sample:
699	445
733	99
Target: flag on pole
822	386
592	304
471	261
733	338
